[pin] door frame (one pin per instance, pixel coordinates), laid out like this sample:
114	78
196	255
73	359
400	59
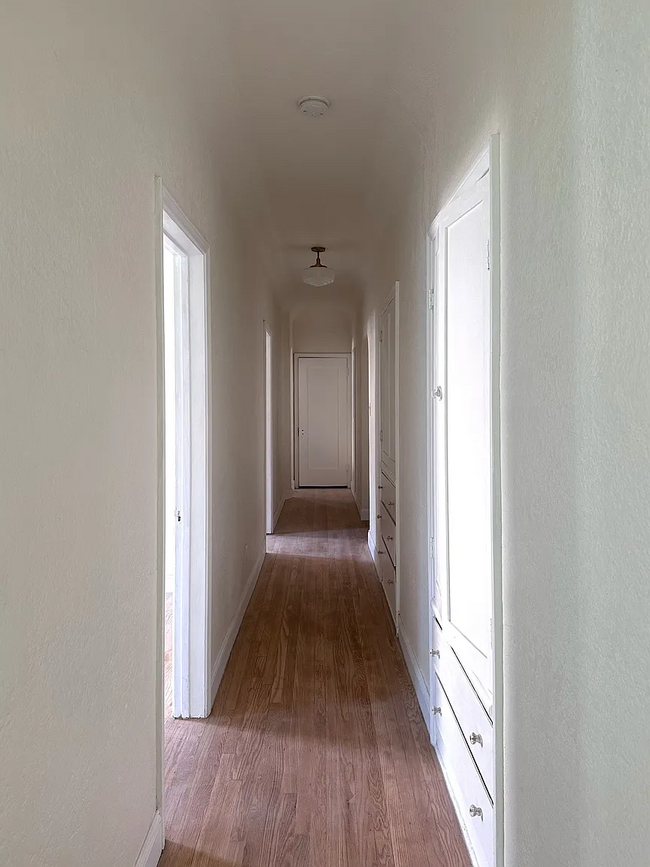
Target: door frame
295	437
196	614
268	429
489	161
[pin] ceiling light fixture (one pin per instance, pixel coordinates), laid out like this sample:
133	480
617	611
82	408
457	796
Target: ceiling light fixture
317	274
314	106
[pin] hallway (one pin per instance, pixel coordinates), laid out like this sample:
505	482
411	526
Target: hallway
316	753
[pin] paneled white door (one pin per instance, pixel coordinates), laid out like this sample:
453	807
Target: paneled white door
464	556
323	422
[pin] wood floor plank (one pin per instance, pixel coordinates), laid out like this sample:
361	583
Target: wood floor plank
316	754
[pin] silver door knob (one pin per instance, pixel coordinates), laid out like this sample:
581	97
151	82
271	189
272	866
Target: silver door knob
476	812
435	653
391	504
389	538
379	517
391	581
476	739
438	393
436	710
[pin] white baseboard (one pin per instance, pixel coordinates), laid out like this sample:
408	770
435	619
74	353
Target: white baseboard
451	784
153	844
278	511
365	514
224	652
417	678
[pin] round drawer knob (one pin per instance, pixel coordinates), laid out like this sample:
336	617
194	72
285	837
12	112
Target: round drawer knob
389	538
476	739
391	581
476	812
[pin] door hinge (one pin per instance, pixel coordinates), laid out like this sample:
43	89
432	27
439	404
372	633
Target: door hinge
381	336
432	547
488	255
178	515
431	297
381	436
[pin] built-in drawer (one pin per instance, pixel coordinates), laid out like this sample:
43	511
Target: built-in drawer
473	803
476	725
388	496
388	531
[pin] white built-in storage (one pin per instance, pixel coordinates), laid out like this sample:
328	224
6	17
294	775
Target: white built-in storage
387	489
464	510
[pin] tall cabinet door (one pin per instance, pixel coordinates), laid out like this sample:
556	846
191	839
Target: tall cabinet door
462	433
387	385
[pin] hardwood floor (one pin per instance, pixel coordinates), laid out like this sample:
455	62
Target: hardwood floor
316	754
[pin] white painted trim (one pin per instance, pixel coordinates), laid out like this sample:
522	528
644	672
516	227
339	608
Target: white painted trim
226	647
194	632
294	404
364	514
398	492
450	782
417	677
489	160
276	516
153	844
269	474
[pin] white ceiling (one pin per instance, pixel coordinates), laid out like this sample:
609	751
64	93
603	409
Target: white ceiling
316	174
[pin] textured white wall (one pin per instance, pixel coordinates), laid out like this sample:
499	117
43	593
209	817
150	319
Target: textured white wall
567	86
93	107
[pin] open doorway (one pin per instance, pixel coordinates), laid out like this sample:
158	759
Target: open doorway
185	673
268	424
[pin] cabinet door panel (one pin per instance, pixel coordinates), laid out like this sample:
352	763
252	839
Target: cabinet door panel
463	427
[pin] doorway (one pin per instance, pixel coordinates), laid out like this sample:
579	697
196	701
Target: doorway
268	416
323	411
185	466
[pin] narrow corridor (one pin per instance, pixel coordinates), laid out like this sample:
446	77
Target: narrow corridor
316	753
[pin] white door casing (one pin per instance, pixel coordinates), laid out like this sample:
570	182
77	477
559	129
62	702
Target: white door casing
464	457
323	428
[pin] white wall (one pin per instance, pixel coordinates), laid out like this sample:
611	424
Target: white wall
95	103
321	328
567	86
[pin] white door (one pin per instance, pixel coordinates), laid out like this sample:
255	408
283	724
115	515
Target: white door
462	433
323	422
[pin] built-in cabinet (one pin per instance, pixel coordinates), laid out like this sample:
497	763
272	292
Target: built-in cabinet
387	486
464	506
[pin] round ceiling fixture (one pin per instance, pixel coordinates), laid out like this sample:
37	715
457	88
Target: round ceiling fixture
314	106
317	274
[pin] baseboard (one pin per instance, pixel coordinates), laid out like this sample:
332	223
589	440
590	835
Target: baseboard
278	511
153	844
364	514
450	782
417	678
224	653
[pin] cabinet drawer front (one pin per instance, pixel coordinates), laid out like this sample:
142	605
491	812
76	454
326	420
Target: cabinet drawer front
388	532
388	496
476	725
475	808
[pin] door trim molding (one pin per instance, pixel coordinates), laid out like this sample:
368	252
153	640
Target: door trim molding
294	404
199	614
489	161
